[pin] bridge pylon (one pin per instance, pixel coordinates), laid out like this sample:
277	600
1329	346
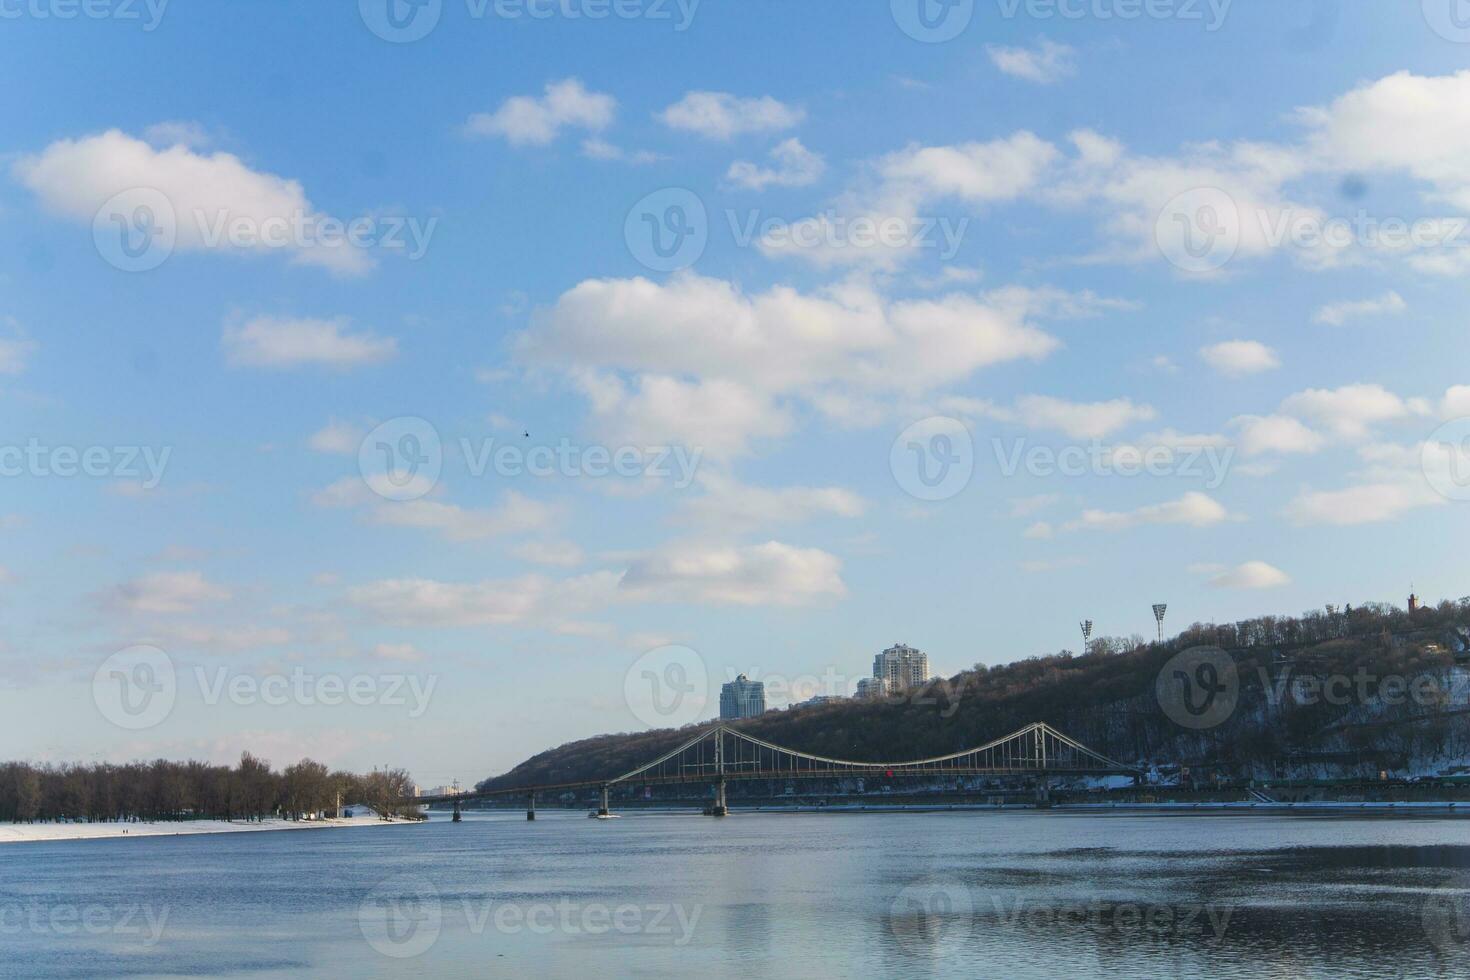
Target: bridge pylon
719	809
530	806
602	811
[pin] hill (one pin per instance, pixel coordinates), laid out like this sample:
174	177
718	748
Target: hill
1328	693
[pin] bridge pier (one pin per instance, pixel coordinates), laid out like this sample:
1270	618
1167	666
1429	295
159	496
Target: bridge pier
602	811
457	817
531	806
719	809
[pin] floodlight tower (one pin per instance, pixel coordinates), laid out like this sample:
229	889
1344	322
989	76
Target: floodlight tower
1159	609
1086	625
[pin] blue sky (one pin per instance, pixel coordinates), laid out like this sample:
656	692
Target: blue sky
1286	390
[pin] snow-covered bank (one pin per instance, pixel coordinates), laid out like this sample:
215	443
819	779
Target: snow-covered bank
13	833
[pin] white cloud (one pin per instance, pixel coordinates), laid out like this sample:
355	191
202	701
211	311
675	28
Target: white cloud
515	514
1080	420
728	505
178	132
1337	314
564	554
722	116
598	149
1040	531
1237	358
1193	509
503	602
523	120
1350	411
1369	503
1048	62
336	438
1251	575
167	592
746	353
1257	435
208	193
795	166
1026	506
284	343
16	349
770	574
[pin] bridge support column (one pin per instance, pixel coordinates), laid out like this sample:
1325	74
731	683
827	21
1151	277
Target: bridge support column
1043	792
531	806
602	811
457	817
719	809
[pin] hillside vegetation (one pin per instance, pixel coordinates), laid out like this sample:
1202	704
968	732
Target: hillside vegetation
1106	698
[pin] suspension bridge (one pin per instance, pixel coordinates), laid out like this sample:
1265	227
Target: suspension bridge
725	754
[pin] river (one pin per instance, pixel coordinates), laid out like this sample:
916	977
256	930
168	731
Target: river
1017	895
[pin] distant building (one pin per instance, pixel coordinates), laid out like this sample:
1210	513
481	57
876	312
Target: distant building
742	698
871	687
901	667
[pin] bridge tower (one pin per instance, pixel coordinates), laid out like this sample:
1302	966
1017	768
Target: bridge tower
602	811
719	809
530	806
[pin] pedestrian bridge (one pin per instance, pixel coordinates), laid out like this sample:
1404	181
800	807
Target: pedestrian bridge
724	753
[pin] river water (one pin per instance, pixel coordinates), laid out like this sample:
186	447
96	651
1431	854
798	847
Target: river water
1021	894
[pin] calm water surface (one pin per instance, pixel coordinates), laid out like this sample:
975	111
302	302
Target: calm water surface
768	895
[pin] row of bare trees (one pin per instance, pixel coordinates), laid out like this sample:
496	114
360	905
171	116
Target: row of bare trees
164	790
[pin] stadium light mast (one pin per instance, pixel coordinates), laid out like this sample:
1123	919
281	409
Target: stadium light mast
1159	609
1086	625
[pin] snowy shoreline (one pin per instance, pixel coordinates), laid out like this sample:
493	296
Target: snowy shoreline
17	833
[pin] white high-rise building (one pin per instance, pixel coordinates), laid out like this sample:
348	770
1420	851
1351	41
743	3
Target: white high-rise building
900	667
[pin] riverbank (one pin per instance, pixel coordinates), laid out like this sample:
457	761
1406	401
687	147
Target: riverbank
19	833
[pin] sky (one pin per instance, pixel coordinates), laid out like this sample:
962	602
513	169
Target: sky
429	384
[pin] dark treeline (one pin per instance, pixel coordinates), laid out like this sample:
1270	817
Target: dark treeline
1105	697
164	790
